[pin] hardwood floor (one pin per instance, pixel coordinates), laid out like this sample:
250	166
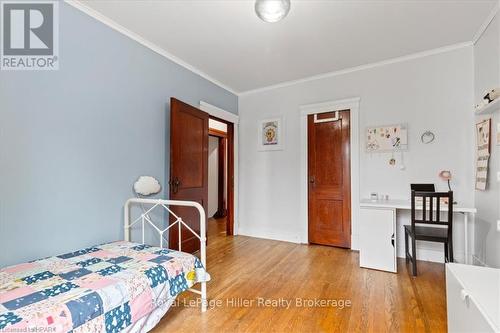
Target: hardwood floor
245	268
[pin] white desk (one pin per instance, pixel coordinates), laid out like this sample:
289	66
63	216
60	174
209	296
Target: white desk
406	205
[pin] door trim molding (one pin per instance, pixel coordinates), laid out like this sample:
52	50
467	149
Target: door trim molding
351	104
235	119
219	113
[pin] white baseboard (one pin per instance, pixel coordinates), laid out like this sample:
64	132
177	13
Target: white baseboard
432	255
427	255
478	262
423	253
355	242
268	234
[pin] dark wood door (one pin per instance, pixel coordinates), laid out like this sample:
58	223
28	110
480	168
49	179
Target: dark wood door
329	180
188	169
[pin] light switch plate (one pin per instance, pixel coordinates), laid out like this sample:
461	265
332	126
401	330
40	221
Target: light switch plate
498	176
498	225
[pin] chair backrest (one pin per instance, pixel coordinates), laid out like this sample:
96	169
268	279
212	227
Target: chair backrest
423	187
431	208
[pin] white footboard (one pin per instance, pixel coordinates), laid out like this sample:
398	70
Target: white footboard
144	219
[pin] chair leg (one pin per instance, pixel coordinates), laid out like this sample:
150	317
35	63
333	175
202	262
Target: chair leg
450	250
446	258
406	246
414	255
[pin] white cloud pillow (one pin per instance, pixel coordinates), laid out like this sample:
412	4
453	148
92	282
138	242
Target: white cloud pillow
147	185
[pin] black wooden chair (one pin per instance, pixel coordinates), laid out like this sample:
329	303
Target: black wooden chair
426	228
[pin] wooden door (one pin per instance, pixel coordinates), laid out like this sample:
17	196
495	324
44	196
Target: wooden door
329	180
188	169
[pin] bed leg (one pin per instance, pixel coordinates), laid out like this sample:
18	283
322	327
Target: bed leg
204	297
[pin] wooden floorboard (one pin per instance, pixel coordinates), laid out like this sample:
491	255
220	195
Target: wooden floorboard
245	268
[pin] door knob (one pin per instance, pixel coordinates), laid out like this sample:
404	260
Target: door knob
312	180
175	183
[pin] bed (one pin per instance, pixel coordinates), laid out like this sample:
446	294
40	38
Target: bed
114	287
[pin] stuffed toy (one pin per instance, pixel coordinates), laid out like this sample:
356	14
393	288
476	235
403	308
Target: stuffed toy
492	95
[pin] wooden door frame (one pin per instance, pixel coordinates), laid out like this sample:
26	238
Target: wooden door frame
221	170
232	121
351	104
216	132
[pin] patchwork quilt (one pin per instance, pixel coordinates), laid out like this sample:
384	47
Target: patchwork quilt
106	288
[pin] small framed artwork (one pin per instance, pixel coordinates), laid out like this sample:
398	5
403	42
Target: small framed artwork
270	134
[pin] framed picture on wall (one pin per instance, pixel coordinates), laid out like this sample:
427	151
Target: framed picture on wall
270	134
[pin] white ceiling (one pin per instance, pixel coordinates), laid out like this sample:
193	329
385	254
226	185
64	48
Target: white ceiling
227	42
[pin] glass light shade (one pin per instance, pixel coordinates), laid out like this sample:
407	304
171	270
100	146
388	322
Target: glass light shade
272	10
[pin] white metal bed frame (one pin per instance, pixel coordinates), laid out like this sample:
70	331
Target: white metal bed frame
144	218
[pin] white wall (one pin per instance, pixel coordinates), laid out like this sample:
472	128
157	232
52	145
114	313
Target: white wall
213	175
428	93
487	76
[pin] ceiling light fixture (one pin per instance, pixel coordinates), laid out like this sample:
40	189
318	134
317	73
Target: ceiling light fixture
272	10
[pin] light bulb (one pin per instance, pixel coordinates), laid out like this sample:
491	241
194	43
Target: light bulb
272	10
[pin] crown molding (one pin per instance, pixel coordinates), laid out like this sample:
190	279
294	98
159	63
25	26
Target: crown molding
132	35
486	22
361	67
157	49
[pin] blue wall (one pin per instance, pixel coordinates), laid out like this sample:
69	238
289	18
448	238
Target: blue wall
73	141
